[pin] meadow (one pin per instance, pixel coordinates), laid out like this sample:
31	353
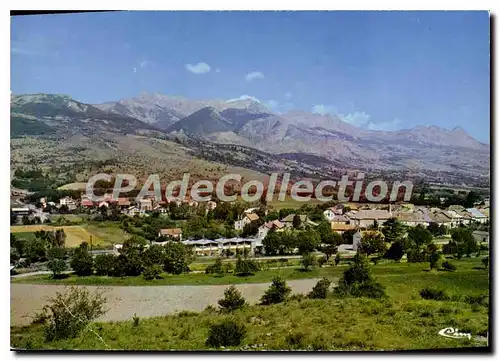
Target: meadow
402	321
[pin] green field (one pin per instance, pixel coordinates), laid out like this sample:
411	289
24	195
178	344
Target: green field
403	321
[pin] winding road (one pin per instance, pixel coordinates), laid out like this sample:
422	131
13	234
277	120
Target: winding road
144	301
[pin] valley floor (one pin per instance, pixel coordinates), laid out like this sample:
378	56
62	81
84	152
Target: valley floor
401	322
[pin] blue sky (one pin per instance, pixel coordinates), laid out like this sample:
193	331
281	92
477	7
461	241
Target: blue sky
377	70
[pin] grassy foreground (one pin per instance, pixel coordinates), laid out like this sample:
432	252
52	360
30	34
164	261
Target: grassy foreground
402	322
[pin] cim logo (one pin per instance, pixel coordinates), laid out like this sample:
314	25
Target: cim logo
451	332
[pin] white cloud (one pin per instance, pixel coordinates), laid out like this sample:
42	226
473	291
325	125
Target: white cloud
288	95
243	97
144	63
217	70
200	68
392	125
359	119
323	109
134	71
279	107
254	75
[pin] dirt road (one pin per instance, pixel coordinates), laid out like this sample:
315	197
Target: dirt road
145	301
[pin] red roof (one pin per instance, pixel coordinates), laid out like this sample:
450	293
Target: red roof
87	202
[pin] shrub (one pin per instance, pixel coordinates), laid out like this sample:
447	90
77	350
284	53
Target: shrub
322	261
415	255
434	259
104	264
296	339
486	262
447	265
82	262
277	292
321	289
215	268
135	320
226	333
434	294
232	299
57	267
357	281
481	300
245	267
308	261
152	272
337	259
69	313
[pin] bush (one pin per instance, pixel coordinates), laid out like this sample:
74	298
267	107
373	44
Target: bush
215	268
135	320
69	313
246	267
321	289
395	252
434	259
152	272
277	292
486	262
415	256
296	339
337	259
104	264
322	261
357	281
481	300
447	265
434	294
232	300
226	333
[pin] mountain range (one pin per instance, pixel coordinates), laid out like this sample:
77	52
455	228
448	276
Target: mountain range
248	123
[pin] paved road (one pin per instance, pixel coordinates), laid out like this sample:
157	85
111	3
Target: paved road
145	301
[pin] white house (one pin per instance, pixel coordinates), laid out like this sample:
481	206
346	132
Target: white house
67	201
476	215
329	214
247	219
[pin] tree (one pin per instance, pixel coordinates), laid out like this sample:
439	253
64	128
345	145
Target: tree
435	229
395	252
372	242
347	236
465	241
307	241
434	259
308	261
57	267
419	236
272	243
277	292
296	221
393	230
177	258
59	238
250	229
152	272
155	254
232	300
105	264
337	259
82	262
35	250
471	198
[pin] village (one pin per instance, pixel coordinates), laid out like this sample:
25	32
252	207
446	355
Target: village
253	224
